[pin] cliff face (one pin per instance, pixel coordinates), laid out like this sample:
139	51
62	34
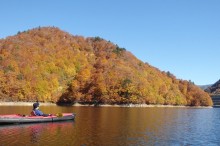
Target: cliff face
214	89
52	65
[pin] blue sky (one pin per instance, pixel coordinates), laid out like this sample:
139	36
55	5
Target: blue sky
180	36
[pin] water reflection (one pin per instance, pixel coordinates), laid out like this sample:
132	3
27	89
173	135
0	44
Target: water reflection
120	126
34	134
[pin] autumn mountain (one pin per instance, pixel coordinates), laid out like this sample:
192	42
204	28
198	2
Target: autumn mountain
48	64
214	89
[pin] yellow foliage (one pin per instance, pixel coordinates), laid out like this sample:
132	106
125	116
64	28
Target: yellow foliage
53	65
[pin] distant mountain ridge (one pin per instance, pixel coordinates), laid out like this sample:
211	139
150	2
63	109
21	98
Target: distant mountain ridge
214	89
48	64
205	86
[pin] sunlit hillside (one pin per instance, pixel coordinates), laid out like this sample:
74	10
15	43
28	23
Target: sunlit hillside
51	65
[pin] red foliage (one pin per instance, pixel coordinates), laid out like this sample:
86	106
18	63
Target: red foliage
52	65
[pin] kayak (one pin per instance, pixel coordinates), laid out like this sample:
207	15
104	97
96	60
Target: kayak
21	119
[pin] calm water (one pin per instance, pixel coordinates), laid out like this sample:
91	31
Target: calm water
114	126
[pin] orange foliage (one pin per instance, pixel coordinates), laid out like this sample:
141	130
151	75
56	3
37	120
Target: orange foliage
52	65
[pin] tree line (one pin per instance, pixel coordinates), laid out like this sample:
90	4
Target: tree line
54	66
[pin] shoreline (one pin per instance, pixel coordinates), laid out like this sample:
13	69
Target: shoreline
104	105
25	103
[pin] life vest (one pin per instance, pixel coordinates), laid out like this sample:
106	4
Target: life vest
33	113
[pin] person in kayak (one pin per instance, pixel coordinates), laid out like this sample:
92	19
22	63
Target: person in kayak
37	112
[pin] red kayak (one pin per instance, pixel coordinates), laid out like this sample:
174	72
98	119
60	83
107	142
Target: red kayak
17	118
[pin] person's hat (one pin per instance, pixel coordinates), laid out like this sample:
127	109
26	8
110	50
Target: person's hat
35	105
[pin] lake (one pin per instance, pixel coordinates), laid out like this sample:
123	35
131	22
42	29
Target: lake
116	126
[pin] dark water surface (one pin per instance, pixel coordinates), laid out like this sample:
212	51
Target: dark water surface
116	126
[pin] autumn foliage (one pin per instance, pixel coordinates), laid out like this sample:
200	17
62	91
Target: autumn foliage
48	64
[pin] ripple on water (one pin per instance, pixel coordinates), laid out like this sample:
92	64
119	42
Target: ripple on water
121	126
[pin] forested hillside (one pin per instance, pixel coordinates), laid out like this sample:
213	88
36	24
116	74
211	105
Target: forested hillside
48	64
214	89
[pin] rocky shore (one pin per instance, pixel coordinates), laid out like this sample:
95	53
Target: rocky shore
104	105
